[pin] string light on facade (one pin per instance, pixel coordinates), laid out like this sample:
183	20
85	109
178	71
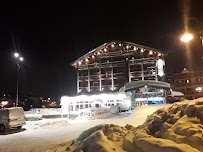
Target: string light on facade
86	60
93	56
135	48
159	54
105	49
142	50
98	53
79	62
150	52
112	45
127	46
120	44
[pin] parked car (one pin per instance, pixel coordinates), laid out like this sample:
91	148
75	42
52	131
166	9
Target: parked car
11	118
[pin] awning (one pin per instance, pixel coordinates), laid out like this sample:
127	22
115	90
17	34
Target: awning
139	84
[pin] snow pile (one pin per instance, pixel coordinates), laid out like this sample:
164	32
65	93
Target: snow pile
46	123
33	117
178	128
47	111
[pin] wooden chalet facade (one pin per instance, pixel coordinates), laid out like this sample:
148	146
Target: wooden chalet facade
108	67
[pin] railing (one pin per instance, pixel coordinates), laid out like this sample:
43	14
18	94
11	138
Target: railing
118	75
44	111
95	77
188	84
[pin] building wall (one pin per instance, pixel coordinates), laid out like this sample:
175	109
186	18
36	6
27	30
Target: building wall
190	84
73	105
109	70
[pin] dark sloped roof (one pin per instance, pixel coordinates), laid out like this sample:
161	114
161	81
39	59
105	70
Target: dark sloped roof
117	41
138	84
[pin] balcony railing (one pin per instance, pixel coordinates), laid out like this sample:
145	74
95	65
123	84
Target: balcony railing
188	84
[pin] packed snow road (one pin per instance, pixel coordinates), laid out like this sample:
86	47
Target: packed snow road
38	136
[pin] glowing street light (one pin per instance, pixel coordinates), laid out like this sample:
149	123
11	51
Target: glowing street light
186	38
16	55
3	103
21	58
18	60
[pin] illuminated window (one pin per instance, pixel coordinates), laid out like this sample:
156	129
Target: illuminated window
198	89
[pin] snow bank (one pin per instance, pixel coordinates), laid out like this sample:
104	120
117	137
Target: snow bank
46	123
33	117
178	128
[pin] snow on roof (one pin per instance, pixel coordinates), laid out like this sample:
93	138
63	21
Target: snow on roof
138	84
176	93
102	96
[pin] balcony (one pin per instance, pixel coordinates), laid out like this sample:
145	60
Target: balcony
188	84
83	78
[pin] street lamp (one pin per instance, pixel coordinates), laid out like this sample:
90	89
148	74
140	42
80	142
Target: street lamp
189	36
186	37
18	60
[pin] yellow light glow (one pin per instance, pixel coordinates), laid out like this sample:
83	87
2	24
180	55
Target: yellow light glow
159	54
135	48
127	46
93	56
142	50
79	62
150	52
86	60
112	45
120	44
105	49
98	53
3	103
186	37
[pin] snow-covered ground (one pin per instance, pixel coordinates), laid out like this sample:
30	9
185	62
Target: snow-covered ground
40	135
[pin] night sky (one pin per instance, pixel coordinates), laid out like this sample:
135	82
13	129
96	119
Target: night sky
51	35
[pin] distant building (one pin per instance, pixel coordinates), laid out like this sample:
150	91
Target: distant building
76	103
102	72
189	83
108	67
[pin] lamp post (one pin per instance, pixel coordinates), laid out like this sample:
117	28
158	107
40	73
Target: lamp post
18	60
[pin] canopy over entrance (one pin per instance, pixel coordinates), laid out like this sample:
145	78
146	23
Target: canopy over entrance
139	84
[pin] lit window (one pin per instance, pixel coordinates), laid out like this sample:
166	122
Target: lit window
198	89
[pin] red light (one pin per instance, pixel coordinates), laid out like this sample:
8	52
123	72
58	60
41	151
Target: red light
9	120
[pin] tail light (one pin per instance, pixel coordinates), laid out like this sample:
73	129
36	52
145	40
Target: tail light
9	120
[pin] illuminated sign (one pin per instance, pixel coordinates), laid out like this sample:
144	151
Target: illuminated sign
160	67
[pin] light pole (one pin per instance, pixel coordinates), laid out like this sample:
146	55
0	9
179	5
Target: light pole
18	60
